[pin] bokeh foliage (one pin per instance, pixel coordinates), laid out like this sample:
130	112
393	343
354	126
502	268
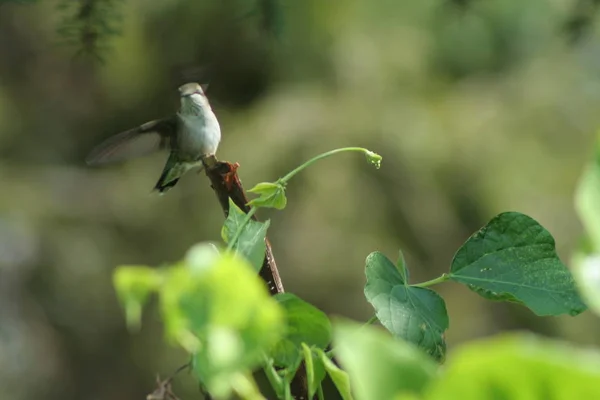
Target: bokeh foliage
470	125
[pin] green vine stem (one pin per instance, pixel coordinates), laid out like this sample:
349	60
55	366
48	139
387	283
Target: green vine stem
372	158
439	279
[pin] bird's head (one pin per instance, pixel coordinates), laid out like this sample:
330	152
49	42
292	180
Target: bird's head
192	94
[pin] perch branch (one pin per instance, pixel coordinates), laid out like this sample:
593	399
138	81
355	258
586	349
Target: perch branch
226	184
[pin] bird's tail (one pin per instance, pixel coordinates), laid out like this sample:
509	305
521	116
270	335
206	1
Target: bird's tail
172	172
170	175
163	185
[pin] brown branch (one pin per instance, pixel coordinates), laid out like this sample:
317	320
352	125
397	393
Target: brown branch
227	185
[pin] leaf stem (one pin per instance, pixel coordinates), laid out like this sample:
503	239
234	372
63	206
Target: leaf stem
442	278
240	229
289	176
320	394
371	320
246	388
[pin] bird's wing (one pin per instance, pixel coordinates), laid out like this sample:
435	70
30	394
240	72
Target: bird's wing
136	142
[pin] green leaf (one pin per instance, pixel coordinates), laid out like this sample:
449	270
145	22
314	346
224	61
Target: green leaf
223	314
251	243
379	366
340	378
415	314
305	324
519	367
270	195
514	258
315	370
133	285
587	199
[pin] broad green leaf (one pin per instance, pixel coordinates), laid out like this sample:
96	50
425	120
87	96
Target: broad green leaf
587	199
519	367
305	324
415	314
270	195
133	285
379	366
315	370
513	258
340	378
223	314
251	243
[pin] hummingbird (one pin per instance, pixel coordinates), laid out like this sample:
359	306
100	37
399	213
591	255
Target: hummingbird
192	134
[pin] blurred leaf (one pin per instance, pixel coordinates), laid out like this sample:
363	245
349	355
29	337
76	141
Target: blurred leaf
415	314
513	258
224	314
251	243
305	324
134	285
270	195
201	256
519	367
271	17
587	275
89	25
379	366
315	370
587	199
340	378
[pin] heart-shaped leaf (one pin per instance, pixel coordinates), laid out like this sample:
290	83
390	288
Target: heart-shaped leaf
415	314
513	258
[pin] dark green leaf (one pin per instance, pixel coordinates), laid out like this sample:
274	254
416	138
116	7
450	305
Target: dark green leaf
305	324
415	314
379	366
315	370
519	367
340	378
514	258
270	195
251	243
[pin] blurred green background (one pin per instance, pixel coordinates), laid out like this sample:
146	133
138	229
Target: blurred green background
477	107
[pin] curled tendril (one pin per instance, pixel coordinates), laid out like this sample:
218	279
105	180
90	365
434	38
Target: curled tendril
373	158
